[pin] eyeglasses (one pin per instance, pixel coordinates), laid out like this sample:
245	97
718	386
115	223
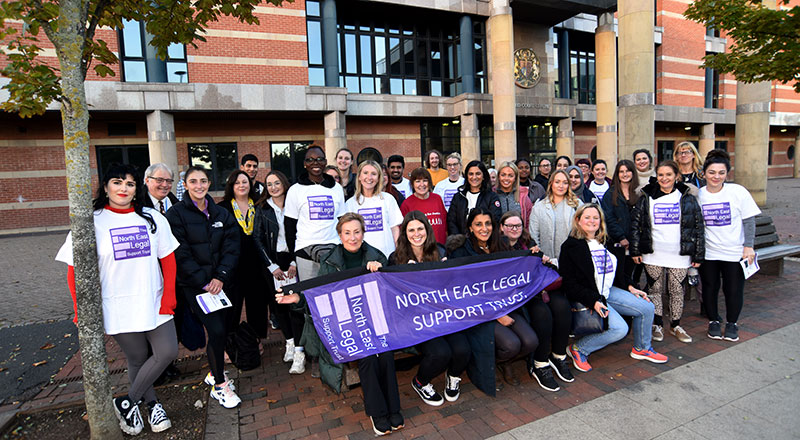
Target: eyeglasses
685	153
315	159
452	164
513	227
160	180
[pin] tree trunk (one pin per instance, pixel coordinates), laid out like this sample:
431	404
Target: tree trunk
69	44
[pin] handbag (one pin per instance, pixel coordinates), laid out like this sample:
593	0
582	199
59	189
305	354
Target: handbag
242	347
586	321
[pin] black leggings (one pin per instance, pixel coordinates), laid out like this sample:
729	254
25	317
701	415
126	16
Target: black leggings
732	288
450	352
552	322
214	324
144	367
249	287
379	382
290	322
514	341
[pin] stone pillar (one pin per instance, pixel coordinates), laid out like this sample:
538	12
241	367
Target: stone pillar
565	139
466	55
797	156
564	90
161	140
330	48
707	138
752	138
335	134
605	44
501	42
636	76
470	138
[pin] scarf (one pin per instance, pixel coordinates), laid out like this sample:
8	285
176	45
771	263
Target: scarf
245	223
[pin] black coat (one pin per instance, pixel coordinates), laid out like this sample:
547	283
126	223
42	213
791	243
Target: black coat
693	241
249	264
209	247
577	273
618	218
457	214
265	235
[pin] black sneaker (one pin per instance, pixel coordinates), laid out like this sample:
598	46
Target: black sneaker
452	388
561	369
714	330
427	393
130	418
731	332
545	378
396	421
381	425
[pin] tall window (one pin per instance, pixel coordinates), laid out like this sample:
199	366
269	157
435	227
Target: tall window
582	76
444	136
287	157
219	158
316	71
721	145
133	40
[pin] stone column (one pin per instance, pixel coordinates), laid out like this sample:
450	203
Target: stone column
752	138
335	134
636	76
161	140
605	44
796	156
565	139
470	138
707	138
466	55
501	42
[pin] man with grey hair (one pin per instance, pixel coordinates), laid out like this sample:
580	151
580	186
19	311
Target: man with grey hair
159	178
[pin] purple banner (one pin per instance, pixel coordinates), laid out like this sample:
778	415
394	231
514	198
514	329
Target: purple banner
666	214
130	242
717	214
385	311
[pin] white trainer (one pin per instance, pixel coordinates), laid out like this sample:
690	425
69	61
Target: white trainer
209	380
298	363
158	419
289	355
225	395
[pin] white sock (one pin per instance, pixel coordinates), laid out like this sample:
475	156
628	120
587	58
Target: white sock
538	364
560	357
296	349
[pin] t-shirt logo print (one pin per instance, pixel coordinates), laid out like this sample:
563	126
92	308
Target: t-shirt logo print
320	207
602	262
130	242
666	213
717	214
373	219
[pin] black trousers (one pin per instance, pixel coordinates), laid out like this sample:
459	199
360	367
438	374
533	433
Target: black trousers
451	353
215	325
248	286
379	382
732	287
514	341
552	322
290	322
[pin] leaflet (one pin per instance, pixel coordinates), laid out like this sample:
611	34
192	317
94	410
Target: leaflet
211	303
749	269
280	283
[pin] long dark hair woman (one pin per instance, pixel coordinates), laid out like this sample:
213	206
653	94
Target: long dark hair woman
207	256
617	204
135	253
475	193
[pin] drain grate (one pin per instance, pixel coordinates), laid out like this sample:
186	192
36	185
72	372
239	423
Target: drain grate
115	371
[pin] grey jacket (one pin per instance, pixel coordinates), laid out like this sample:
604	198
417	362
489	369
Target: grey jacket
550	226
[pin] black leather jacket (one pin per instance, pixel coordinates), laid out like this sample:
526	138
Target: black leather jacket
457	214
693	241
265	234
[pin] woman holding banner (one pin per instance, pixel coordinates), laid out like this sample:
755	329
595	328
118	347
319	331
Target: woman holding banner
514	337
592	276
377	373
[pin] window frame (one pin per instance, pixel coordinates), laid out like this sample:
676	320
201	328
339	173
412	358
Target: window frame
216	174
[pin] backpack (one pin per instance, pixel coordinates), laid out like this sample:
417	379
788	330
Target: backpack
242	347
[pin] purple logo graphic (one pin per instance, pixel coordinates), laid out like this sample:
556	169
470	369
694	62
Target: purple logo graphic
602	261
320	207
130	242
373	219
717	214
448	197
666	214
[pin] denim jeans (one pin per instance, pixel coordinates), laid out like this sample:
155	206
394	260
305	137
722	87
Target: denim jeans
621	302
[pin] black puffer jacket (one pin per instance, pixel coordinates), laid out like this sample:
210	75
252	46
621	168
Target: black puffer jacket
209	247
693	241
457	214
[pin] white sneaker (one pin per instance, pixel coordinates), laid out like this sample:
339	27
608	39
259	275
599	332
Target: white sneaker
298	363
130	418
225	395
209	380
452	388
289	355
158	419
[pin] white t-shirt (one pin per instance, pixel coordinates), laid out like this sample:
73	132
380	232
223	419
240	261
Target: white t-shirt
447	189
380	214
665	219
723	213
404	187
130	274
317	210
598	190
605	265
472	200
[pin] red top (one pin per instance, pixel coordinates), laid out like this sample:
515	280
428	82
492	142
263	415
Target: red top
433	208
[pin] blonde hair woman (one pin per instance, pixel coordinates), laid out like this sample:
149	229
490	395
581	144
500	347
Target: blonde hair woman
513	197
551	218
690	164
380	211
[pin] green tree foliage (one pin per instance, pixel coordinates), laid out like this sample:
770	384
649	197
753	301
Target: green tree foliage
766	41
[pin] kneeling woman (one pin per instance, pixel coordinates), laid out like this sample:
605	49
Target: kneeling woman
592	277
377	373
137	285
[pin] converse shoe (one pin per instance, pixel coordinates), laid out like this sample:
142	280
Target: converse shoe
731	331
381	425
298	363
561	367
714	330
681	334
209	380
545	378
225	395
427	393
130	418
288	356
452	389
658	333
158	418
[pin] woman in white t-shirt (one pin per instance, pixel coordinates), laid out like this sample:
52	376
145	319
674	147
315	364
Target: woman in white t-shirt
667	235
382	217
729	213
135	254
